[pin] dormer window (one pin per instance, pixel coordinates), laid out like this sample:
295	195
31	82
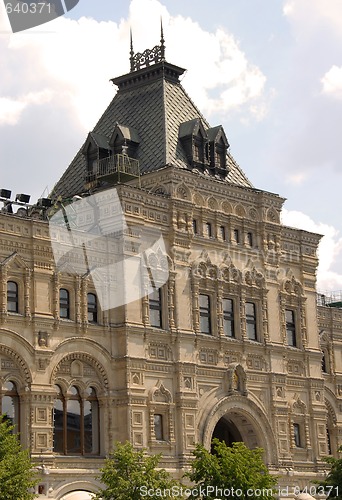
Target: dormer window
194	140
125	140
95	149
218	147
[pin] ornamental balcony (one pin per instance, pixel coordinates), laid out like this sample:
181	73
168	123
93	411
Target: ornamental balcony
114	169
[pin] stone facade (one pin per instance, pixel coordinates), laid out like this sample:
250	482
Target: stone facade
230	347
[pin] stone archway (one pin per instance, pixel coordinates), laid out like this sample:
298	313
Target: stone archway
78	495
241	419
225	430
235	427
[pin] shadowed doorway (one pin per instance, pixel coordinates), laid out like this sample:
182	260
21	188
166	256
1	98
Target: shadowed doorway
225	430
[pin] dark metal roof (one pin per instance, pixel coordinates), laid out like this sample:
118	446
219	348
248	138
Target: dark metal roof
155	108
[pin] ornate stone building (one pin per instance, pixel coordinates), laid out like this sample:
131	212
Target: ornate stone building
230	345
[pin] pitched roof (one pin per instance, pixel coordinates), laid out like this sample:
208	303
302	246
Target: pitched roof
152	102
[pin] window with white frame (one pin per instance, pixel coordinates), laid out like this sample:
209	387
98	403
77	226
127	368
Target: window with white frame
12	297
291	334
297	435
228	317
9	403
76	422
205	314
155	308
251	321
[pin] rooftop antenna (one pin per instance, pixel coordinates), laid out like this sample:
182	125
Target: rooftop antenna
162	41
131	52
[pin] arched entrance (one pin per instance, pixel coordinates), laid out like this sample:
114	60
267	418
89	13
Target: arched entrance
239	418
236	427
225	430
78	495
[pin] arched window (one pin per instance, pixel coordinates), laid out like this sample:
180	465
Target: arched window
92	307
64	303
158	427
9	403
76	422
12	297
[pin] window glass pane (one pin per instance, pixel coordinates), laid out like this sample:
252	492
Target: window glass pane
228	317
296	433
194	226
204	309
324	363
64	305
290	328
12	297
58	435
158	427
92	308
73	426
10	403
155	308
91	427
251	331
8	408
9	386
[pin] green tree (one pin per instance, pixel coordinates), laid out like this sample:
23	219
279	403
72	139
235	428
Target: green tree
132	475
333	481
236	469
16	468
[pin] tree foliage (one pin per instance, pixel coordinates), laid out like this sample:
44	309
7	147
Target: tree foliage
234	471
333	481
129	475
16	468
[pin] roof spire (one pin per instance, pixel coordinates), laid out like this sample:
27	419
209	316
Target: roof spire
131	52
162	41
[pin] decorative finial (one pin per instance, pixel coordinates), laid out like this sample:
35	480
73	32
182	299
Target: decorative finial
131	59
162	41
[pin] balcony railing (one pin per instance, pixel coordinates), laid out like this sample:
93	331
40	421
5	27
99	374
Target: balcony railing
119	168
330	299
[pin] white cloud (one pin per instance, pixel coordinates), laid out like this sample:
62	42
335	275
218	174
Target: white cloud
332	82
296	179
329	251
77	59
10	111
310	15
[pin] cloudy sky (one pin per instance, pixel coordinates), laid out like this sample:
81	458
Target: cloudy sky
270	71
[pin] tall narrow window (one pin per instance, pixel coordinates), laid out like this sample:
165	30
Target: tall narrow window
64	304
59	437
76	422
249	239
155	306
290	328
223	233
329	442
195	226
324	362
296	435
209	230
10	404
12	297
73	421
236	235
91	422
204	310
158	427
228	317
251	322
92	308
